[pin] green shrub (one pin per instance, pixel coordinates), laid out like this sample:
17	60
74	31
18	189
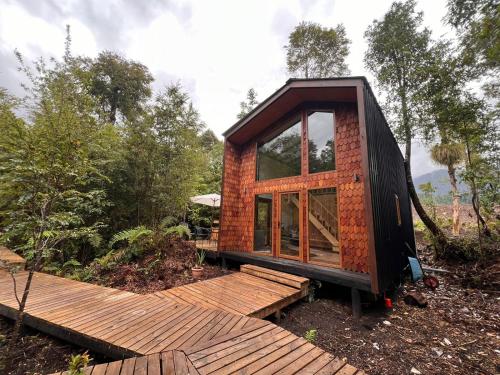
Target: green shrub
311	335
77	363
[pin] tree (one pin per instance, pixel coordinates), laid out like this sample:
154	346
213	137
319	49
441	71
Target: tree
213	150
478	26
314	51
51	186
447	78
121	86
250	103
398	52
480	138
451	155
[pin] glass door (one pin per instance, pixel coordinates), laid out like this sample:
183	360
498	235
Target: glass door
289	225
323	230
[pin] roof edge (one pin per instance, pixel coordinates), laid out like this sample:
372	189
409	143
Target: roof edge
288	84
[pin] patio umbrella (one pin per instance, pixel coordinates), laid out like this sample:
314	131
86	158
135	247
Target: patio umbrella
212	200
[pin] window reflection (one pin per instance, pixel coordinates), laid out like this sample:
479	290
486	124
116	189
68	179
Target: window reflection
263	223
280	156
320	132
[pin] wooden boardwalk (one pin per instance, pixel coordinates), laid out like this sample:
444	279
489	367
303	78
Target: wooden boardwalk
10	258
286	355
164	336
255	291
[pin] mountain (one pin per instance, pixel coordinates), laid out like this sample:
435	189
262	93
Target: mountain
441	182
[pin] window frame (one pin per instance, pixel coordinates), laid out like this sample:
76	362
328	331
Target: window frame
302	116
274	131
307	112
255	213
307	253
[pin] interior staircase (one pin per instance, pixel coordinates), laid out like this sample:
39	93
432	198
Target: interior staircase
324	220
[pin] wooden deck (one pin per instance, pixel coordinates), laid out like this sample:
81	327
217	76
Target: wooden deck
10	258
208	245
287	354
255	291
163	335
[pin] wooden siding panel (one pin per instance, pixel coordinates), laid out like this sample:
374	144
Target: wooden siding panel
240	187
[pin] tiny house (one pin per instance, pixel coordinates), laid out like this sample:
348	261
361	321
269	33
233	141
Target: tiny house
314	184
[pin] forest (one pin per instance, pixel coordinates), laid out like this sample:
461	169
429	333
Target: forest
97	168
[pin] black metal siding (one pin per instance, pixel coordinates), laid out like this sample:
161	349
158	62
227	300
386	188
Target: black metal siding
387	178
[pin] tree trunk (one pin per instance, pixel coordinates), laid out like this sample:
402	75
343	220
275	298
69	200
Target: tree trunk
20	314
456	200
426	219
475	197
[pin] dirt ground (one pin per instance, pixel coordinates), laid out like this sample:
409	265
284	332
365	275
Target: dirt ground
37	353
154	273
457	333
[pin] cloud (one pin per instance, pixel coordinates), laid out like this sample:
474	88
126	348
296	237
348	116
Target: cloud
217	49
112	22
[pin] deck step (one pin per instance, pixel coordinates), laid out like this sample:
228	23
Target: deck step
297	282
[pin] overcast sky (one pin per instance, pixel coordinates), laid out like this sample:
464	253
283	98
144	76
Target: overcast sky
216	49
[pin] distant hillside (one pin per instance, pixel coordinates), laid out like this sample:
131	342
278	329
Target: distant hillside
441	182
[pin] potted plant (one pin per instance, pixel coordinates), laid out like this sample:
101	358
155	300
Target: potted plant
197	270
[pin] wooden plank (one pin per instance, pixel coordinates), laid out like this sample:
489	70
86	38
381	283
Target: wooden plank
226	356
213	346
191	369
150	341
291	356
141	366
136	316
193	331
180	362
347	370
167	363
331	368
241	291
301	362
156	317
184	330
114	368
316	365
256	355
154	367
195	298
100	369
128	366
152	328
212	298
10	258
276	276
270	358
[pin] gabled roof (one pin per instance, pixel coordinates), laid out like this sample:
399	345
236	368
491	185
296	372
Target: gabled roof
291	95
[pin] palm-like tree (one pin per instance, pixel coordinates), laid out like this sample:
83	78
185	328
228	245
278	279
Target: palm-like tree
450	155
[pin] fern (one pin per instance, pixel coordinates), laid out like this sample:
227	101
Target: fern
132	236
181	231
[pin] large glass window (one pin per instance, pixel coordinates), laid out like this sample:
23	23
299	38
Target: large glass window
320	131
280	155
323	226
262	238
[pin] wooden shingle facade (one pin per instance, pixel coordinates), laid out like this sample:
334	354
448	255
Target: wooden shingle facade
299	174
